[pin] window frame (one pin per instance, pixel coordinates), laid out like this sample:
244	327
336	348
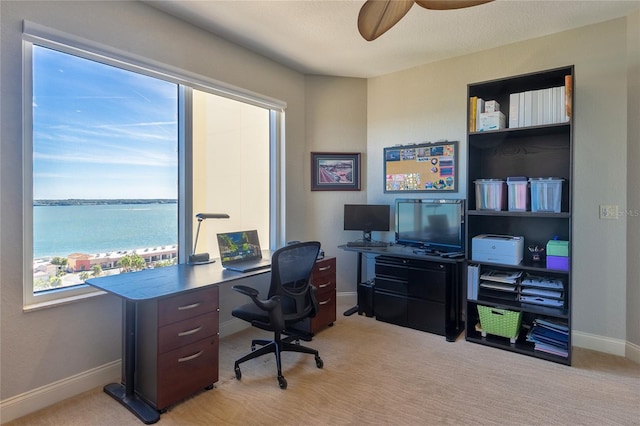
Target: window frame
35	34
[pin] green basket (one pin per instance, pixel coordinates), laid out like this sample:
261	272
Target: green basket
500	322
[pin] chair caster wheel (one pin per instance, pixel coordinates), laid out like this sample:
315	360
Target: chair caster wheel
282	382
319	362
238	373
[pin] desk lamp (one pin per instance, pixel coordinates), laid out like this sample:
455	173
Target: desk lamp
202	258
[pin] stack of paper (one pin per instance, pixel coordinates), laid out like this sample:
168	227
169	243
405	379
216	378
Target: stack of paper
502	285
550	337
543	291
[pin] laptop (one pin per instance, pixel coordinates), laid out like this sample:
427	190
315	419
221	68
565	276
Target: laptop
241	252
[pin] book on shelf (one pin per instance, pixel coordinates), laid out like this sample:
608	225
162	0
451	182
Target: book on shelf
568	94
476	107
473	280
479	110
540	107
472	113
514	113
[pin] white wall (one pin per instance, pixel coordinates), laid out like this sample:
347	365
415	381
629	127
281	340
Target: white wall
429	103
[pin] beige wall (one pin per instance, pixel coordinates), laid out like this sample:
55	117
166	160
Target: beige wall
429	103
335	121
335	114
633	190
42	347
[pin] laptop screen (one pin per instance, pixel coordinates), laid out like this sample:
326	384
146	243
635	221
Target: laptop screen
239	246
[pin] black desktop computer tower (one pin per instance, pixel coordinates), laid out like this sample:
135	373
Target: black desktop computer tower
365	298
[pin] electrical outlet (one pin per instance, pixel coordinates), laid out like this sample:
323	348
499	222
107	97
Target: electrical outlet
608	211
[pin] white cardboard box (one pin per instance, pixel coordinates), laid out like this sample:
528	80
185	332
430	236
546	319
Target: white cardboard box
492	121
491	106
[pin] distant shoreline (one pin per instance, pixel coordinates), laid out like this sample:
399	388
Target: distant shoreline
105	202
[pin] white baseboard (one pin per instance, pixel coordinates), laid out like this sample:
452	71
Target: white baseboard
231	326
599	343
36	399
633	352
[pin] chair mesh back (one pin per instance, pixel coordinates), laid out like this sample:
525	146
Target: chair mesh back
291	268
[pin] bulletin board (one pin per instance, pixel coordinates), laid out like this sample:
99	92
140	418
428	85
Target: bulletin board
426	167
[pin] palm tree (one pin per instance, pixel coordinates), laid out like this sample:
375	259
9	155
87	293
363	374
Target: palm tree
96	270
132	262
125	263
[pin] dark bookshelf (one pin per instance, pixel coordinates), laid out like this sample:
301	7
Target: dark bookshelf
533	151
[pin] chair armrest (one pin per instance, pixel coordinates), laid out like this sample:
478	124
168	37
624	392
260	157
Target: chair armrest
266	305
247	291
314	301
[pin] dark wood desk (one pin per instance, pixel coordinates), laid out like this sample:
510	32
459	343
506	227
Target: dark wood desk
417	290
393	250
142	289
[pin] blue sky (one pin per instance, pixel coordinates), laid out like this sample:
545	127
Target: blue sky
101	132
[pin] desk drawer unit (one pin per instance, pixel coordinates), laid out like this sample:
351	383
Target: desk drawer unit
177	354
412	293
323	278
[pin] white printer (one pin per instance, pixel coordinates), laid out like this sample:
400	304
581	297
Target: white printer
505	249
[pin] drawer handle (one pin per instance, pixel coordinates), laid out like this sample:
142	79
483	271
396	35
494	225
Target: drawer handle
190	357
325	285
324	268
185	307
189	332
324	302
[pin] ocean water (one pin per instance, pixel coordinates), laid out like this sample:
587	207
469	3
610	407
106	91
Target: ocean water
62	230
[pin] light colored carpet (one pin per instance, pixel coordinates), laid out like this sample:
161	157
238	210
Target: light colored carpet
380	374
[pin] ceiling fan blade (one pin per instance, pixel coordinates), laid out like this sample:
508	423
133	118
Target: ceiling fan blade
377	16
449	4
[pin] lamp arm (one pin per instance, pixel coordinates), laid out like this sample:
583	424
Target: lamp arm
195	244
201	217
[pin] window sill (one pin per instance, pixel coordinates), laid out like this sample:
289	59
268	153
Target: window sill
61	301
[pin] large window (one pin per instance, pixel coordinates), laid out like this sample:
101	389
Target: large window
230	167
105	170
118	159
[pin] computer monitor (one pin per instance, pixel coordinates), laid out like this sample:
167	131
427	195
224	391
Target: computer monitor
366	218
436	225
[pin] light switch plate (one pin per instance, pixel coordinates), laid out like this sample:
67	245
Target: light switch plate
608	211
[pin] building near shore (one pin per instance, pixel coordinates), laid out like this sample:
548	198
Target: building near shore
78	262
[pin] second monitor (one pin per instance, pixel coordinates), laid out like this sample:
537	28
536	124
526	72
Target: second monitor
366	218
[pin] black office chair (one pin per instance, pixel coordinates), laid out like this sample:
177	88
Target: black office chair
291	299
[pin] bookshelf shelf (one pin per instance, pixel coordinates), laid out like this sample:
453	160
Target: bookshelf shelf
541	150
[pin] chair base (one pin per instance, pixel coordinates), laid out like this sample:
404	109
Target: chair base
277	346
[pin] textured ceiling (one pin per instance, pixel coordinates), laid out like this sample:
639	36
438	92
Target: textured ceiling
321	36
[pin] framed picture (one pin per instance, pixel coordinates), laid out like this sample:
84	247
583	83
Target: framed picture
427	167
335	171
